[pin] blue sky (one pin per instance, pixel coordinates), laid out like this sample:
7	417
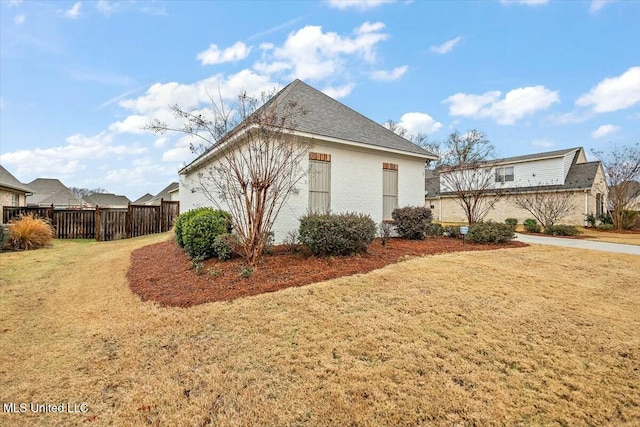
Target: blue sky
78	80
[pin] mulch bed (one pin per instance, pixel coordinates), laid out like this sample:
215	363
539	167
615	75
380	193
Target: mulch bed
164	273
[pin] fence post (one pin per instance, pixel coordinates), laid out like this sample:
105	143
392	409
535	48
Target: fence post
97	221
159	227
50	213
127	222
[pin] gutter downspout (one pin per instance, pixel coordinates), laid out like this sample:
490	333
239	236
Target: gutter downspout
586	206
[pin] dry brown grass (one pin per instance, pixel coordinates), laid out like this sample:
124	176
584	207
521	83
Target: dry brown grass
627	237
532	336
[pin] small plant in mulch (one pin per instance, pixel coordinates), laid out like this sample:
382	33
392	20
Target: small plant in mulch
384	229
246	272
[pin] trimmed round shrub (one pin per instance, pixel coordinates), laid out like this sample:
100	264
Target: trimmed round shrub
561	230
490	232
200	230
531	226
337	234
412	222
183	218
511	222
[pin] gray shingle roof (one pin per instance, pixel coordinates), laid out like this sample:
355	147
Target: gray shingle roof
47	191
557	153
581	176
106	199
324	116
143	199
9	181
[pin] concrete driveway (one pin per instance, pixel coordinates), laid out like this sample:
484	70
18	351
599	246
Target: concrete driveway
579	243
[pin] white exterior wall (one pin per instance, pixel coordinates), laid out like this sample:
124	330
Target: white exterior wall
356	185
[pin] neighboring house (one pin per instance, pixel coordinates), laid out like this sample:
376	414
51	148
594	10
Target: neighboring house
555	171
47	192
354	164
168	194
106	200
12	191
143	200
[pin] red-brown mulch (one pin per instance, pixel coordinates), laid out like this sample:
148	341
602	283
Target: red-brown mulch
164	273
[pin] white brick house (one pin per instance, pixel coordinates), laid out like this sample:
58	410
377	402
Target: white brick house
554	171
354	164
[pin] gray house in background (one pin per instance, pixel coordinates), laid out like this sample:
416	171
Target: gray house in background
143	200
106	200
168	194
47	192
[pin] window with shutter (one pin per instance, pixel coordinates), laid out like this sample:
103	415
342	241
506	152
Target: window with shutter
319	182
389	189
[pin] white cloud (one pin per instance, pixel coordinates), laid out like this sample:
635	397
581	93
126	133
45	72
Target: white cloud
525	2
13	3
447	46
338	92
156	101
604	130
614	93
544	143
105	7
141	172
19	19
69	158
233	53
515	105
314	55
596	5
386	76
74	12
357	4
416	123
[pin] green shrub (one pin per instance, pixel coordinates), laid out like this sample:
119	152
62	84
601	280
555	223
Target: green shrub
605	218
605	227
511	222
30	232
435	230
201	228
630	220
532	226
337	234
225	245
451	231
4	235
490	232
591	220
412	222
562	230
183	218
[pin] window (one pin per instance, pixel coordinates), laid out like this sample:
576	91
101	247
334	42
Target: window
319	182
504	174
599	204
389	189
15	199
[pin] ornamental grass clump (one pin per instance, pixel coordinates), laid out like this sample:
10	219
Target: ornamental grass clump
30	232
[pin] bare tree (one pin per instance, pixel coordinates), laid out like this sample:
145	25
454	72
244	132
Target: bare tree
82	192
465	168
420	139
546	206
254	162
621	170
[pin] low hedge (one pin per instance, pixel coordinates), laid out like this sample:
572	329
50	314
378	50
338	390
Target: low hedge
532	226
562	230
412	222
490	232
337	234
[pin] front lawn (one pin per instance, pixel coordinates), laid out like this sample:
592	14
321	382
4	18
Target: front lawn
529	336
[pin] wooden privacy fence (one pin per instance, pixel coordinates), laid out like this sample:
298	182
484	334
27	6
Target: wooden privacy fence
102	223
